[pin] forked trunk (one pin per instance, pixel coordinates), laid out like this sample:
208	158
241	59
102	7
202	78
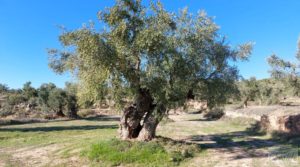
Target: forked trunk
130	125
138	120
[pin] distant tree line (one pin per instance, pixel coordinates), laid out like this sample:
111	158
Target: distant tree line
48	99
263	92
284	82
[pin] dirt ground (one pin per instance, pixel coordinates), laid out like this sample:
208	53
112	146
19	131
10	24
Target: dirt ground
225	142
255	112
228	143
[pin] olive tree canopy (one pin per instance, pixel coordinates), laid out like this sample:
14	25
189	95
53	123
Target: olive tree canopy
155	55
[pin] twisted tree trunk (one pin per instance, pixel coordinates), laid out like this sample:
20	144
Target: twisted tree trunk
139	120
151	121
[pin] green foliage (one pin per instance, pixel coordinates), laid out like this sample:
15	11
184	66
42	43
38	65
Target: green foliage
71	105
155	153
3	88
287	72
43	93
29	91
15	99
249	89
34	101
86	112
149	48
264	92
6	109
217	92
270	91
47	98
56	100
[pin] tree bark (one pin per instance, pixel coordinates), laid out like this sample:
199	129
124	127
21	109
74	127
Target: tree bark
139	121
72	107
130	124
245	102
151	121
149	128
190	95
73	113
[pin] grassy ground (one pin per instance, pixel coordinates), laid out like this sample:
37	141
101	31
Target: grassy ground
224	142
54	143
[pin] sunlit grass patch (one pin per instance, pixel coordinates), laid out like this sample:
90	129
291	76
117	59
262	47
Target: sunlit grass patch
154	153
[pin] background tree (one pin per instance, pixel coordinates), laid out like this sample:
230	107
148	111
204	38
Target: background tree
270	91
3	88
249	90
71	100
29	91
286	71
156	56
56	101
43	95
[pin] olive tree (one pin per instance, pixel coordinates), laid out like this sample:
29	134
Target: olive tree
149	56
71	100
286	71
57	101
43	94
29	91
249	90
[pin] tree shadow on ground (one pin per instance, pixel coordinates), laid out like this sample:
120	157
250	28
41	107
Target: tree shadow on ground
36	120
196	112
203	119
246	144
58	128
22	121
102	118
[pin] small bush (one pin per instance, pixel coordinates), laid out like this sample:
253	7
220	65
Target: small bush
15	99
272	100
86	112
214	114
154	153
256	129
6	110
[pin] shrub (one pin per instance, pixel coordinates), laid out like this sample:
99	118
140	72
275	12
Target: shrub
15	99
86	112
33	102
6	109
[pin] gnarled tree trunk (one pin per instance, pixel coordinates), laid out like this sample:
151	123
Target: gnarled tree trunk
151	121
138	120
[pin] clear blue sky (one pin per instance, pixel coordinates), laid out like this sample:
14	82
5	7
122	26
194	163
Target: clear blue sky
29	27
